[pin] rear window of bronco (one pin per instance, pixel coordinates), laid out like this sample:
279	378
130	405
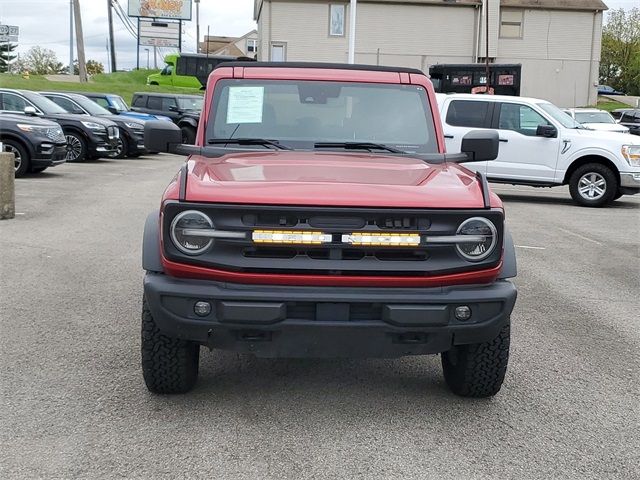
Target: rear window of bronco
299	114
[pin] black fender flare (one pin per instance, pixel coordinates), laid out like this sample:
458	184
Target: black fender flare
188	122
151	257
509	267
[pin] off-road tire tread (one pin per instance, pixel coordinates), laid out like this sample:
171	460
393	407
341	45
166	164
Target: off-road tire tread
169	365
480	368
606	172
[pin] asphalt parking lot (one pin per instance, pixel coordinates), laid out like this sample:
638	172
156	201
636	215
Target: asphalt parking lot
74	404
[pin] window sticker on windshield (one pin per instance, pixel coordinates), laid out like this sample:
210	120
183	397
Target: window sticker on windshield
245	105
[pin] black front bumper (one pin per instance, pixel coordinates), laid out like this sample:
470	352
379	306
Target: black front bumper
282	321
49	156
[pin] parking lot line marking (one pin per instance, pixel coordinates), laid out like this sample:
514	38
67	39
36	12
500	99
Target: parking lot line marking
579	236
530	247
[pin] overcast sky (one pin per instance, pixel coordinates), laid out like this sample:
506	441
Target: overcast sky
46	23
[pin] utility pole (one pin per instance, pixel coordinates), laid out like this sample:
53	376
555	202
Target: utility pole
82	63
486	45
197	2
352	31
71	72
112	45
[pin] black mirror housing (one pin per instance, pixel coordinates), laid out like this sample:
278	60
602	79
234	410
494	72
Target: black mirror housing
481	145
547	131
113	110
162	136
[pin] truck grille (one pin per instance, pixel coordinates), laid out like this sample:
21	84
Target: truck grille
335	257
113	132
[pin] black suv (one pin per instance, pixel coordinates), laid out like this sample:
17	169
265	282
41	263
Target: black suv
184	110
629	117
87	136
131	140
36	144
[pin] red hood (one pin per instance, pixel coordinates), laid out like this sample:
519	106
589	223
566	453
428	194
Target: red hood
336	179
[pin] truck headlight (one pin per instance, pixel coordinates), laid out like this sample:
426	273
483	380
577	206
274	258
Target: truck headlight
475	250
134	126
184	232
631	153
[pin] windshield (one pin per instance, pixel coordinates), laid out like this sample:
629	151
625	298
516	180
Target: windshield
594	117
119	104
559	116
301	114
44	104
90	106
187	103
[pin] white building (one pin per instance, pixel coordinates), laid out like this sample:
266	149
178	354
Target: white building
556	41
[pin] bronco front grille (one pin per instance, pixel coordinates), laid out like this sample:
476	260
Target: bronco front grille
335	257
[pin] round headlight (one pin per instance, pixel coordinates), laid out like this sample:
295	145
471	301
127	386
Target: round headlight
475	251
191	220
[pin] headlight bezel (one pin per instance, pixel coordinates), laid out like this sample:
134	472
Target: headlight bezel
631	153
176	242
488	251
31	128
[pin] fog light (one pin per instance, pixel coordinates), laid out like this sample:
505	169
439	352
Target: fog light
463	313
202	309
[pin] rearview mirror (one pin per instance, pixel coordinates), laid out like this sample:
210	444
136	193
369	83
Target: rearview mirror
161	136
31	111
480	145
547	131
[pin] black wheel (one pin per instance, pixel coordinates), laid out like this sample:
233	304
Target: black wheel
76	147
21	156
593	185
618	195
38	169
188	135
121	149
477	370
169	365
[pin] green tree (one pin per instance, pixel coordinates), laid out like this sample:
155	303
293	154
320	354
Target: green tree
94	67
6	56
41	61
620	64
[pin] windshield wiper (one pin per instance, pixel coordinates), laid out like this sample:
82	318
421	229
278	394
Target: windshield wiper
248	141
358	146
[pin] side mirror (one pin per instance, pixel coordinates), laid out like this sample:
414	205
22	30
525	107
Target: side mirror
173	108
113	110
481	145
30	111
547	131
161	136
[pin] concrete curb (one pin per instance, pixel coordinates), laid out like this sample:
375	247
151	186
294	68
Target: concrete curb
7	186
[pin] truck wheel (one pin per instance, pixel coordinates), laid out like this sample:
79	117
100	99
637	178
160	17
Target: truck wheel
76	148
593	185
618	195
169	365
477	370
20	154
188	135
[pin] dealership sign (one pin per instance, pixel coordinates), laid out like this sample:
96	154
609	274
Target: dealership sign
159	34
173	9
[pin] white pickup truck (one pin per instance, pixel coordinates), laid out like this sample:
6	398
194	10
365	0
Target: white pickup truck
542	146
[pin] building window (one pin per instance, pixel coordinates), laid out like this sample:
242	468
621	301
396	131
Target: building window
252	46
336	20
278	52
511	23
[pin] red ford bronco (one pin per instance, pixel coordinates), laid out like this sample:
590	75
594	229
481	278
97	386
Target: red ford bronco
318	215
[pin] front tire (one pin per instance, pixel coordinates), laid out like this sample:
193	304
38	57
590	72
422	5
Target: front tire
122	148
76	147
188	135
593	185
477	370
169	365
21	156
